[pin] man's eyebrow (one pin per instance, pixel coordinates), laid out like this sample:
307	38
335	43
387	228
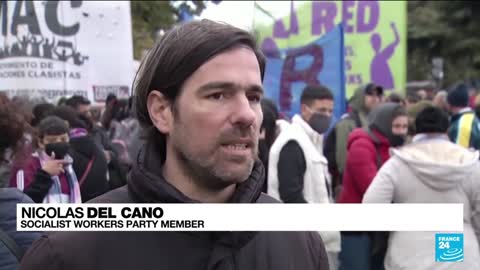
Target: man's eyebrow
216	85
228	86
256	88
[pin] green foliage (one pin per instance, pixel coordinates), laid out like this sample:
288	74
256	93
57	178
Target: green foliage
447	29
150	17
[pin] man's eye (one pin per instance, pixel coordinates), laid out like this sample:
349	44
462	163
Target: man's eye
216	96
255	98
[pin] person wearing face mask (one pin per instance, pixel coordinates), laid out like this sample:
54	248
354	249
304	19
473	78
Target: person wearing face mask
368	150
48	176
298	171
90	162
363	101
430	170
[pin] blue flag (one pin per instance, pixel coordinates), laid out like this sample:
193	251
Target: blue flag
318	63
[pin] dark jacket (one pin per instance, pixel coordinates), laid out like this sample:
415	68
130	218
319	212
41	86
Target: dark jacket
347	124
83	151
100	137
177	250
9	197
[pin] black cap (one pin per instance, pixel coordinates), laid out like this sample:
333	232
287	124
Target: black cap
458	96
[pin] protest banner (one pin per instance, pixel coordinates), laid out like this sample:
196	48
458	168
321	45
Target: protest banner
50	49
318	63
375	35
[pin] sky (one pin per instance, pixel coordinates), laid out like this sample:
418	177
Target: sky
237	13
240	13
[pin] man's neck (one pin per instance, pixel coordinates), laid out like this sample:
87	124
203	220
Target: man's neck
191	187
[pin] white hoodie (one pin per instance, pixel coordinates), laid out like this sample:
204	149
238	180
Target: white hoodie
430	170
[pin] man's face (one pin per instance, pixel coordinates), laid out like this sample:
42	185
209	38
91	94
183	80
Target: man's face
84	109
371	101
321	106
217	118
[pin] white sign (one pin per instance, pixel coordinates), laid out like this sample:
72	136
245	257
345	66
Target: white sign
52	49
240	217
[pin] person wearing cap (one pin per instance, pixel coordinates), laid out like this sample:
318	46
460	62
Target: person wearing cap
364	100
198	96
430	170
465	126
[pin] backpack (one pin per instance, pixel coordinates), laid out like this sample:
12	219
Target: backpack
330	148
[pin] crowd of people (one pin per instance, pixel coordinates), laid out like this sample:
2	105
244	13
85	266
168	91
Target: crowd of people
385	149
205	79
61	154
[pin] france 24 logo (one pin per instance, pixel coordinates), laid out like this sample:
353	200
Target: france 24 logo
449	247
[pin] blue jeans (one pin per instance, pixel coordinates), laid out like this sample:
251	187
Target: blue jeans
356	251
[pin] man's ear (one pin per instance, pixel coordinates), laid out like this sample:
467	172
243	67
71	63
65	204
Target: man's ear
304	112
158	106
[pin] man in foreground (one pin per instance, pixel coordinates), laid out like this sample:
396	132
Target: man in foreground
198	96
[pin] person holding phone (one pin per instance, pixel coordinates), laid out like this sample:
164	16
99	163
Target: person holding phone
48	176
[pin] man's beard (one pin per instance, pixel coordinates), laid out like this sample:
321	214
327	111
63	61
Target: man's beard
206	172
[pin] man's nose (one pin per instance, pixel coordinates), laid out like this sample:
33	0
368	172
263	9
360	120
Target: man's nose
243	112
